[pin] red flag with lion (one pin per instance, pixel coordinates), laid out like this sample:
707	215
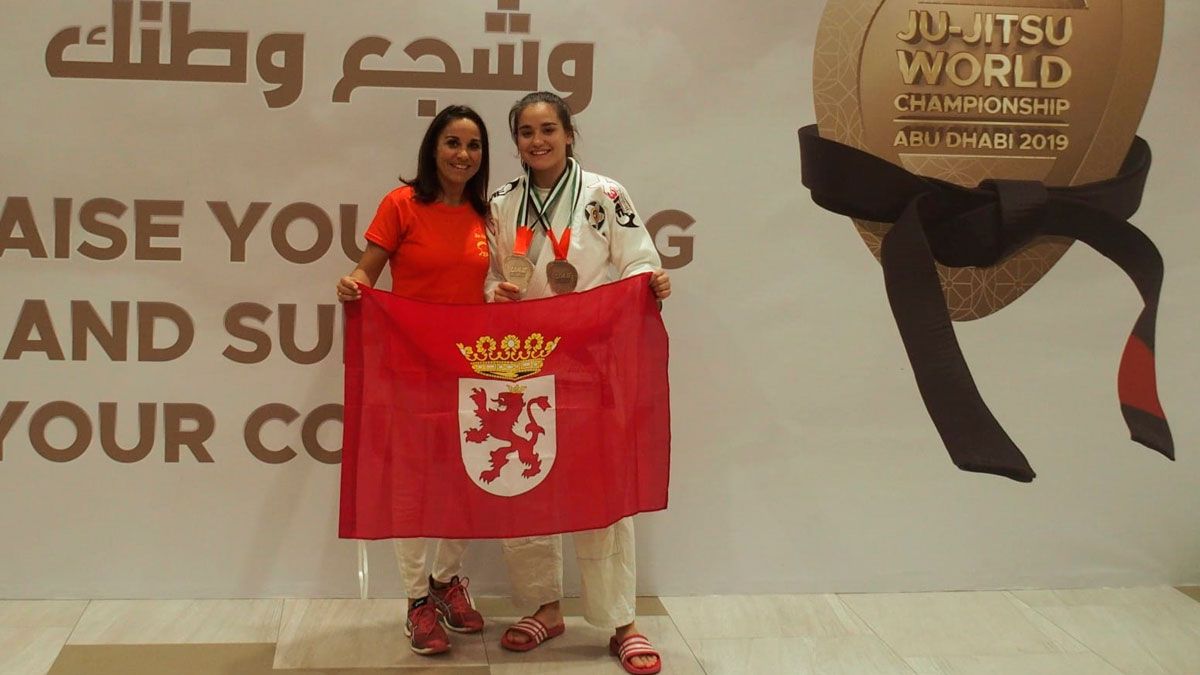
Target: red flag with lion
506	420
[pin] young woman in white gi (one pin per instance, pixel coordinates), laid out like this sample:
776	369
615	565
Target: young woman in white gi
558	229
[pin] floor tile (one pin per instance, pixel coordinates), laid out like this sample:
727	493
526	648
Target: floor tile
1024	664
957	624
222	659
1061	639
501	606
1139	631
178	621
583	649
30	651
843	655
751	616
32	632
360	634
1133	631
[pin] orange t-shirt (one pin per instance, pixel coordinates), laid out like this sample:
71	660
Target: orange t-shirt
438	253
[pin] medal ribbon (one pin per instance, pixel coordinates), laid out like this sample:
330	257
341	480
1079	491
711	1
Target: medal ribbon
542	209
961	226
562	244
521	242
571	178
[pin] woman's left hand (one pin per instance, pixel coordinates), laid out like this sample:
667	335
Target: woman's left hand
660	283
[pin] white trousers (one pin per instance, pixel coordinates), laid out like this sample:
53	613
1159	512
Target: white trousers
410	555
607	565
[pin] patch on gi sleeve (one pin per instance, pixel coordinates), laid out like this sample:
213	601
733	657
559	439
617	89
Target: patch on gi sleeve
595	214
625	214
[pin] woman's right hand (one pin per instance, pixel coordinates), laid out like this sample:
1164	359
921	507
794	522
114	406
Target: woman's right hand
506	292
347	289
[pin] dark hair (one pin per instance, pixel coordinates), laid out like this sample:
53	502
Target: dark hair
560	107
426	186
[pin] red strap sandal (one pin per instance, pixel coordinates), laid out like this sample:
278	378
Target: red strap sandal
537	632
635	645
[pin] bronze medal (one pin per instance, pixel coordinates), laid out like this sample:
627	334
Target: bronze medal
562	276
518	271
962	91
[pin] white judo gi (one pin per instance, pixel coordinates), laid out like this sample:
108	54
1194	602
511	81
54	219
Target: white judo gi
608	242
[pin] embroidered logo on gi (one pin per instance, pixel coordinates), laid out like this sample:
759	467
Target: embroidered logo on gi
501	421
595	214
505	189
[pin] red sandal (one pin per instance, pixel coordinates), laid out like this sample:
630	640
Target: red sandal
634	645
537	632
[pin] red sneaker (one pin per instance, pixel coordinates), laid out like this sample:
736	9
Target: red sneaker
426	635
455	605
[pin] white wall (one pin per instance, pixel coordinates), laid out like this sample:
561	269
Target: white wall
804	460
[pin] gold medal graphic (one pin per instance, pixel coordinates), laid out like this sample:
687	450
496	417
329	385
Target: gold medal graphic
1040	90
971	143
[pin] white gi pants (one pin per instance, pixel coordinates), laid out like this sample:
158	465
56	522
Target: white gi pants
607	564
410	555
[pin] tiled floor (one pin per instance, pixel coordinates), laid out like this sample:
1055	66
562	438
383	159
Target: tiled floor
1077	632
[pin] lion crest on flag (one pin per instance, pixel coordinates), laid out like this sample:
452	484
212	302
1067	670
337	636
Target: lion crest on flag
500	423
510	413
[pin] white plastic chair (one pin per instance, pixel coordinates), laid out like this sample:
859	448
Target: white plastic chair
364	571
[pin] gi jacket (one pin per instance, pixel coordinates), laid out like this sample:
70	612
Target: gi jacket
609	240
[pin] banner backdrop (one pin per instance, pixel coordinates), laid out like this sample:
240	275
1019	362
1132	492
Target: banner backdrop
183	182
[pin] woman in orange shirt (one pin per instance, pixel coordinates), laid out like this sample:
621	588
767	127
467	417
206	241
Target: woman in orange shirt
430	233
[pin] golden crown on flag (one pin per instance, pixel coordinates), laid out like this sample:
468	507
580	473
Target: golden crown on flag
511	358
